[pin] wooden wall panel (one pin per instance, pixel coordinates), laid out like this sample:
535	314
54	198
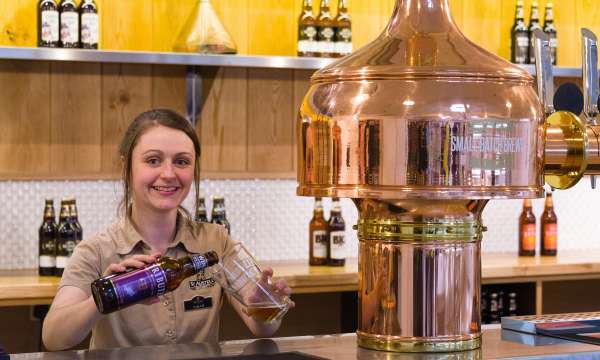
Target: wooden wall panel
224	120
75	118
128	24
272	27
24	117
126	92
270	120
168	88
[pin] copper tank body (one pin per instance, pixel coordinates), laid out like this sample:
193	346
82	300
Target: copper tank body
420	127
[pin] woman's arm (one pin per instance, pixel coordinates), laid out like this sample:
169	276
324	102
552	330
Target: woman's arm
73	313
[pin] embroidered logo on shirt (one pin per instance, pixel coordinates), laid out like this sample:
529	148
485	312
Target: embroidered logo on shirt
201	282
197	302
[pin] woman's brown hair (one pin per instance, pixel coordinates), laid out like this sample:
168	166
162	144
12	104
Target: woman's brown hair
141	124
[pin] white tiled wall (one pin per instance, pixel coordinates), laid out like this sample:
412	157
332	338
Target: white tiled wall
266	215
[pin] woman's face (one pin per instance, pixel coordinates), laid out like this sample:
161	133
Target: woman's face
162	169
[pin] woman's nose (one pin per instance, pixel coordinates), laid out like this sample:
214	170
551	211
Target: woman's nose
167	171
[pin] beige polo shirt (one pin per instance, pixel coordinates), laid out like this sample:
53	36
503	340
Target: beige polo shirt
187	315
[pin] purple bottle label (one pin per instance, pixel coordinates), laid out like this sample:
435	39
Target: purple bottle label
139	285
199	262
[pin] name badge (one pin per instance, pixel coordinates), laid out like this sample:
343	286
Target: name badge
197	302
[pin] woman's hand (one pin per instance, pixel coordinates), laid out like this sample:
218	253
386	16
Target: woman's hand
135	262
279	288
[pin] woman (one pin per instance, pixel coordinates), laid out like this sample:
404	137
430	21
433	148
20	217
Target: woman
160	153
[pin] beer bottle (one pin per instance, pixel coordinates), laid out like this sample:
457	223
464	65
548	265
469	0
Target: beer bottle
550	29
66	238
534	23
337	232
307	31
318	236
512	304
89	30
69	24
117	291
48	29
519	37
201	214
326	31
485	308
343	31
501	304
47	241
548	229
218	215
494	319
527	230
74	219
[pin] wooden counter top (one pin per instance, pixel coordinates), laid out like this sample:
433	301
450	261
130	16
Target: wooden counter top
24	287
336	347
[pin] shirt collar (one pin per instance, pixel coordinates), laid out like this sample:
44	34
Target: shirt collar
184	235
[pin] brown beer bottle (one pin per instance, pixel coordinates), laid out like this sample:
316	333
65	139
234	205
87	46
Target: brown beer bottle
534	23
66	238
117	291
519	53
318	238
527	230
343	32
69	24
47	241
74	219
218	215
89	29
550	29
337	233
48	29
307	31
548	229
201	214
326	31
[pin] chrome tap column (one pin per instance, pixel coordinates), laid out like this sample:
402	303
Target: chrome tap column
420	127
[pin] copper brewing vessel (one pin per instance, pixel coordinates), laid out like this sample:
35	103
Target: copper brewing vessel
420	127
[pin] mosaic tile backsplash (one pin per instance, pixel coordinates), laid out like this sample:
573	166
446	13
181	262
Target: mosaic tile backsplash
267	216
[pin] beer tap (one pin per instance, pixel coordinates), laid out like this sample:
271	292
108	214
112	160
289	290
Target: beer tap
543	70
590	84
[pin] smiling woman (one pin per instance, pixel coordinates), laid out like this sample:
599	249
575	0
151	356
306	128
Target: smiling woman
160	155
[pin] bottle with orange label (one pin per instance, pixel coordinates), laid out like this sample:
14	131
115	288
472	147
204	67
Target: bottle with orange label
548	229
527	230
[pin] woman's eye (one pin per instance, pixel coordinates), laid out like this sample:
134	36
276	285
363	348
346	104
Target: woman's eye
182	162
152	161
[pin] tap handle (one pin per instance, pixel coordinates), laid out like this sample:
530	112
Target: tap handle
590	75
543	70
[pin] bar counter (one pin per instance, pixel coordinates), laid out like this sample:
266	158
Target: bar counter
24	287
341	346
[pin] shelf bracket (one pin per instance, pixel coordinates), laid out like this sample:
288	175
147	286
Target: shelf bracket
193	94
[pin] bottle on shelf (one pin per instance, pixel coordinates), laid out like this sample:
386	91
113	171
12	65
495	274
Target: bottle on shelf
219	215
307	31
318	238
48	24
343	31
485	307
548	228
74	219
337	235
494	318
69	24
89	33
519	37
47	241
117	291
326	31
512	304
550	29
501	304
534	23
201	214
66	238
527	230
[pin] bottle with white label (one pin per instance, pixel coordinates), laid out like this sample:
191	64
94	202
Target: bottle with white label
69	24
337	235
307	31
343	32
89	32
47	241
318	236
48	29
550	29
326	31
